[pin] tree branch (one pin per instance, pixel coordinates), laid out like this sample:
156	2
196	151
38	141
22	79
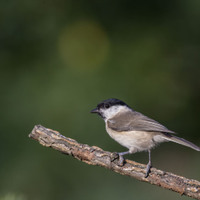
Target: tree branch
96	156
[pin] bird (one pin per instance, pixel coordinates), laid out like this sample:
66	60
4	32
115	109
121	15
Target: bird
134	130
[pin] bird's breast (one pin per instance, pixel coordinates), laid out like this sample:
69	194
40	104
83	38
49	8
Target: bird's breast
133	140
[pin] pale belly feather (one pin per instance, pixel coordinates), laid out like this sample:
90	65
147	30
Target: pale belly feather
136	140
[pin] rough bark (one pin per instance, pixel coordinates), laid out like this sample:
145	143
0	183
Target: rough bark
93	155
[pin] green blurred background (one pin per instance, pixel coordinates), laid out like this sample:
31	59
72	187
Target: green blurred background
60	58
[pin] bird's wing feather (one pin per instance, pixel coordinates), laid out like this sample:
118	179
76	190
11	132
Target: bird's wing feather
135	121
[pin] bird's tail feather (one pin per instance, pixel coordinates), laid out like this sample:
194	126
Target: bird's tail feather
181	141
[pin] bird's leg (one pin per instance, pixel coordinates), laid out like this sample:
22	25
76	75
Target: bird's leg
121	158
148	165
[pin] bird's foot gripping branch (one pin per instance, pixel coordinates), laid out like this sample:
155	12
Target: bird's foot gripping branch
93	155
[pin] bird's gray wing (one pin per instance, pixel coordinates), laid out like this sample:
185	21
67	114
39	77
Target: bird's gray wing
135	121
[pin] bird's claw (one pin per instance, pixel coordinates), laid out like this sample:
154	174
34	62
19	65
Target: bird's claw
115	156
121	160
148	170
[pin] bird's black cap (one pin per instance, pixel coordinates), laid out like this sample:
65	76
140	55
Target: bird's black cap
108	103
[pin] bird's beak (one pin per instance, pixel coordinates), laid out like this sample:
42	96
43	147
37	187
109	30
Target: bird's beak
95	110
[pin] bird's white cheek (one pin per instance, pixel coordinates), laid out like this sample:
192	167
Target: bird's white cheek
113	111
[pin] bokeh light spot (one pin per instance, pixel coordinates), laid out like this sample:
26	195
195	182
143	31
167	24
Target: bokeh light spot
84	45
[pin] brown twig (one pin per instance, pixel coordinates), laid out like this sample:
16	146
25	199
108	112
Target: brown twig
96	156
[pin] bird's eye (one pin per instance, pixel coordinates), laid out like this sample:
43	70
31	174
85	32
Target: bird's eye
106	105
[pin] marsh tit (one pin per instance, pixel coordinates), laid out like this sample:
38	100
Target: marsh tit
134	130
